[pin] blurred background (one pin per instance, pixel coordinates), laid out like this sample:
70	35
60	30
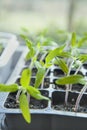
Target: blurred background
37	15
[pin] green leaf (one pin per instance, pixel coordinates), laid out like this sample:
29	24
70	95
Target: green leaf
48	65
62	65
72	79
39	77
73	39
38	45
83	58
28	43
65	54
41	97
80	43
42	63
24	106
54	53
25	77
35	93
49	43
8	88
30	54
23	36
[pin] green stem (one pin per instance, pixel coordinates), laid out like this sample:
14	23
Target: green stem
78	69
17	96
67	86
80	96
42	58
32	63
44	77
76	73
28	97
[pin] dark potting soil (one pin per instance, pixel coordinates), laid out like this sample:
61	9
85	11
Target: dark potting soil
85	65
39	104
58	101
27	63
58	87
34	103
58	72
46	83
77	87
34	72
69	107
39	56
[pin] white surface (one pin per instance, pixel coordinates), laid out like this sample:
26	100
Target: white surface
10	48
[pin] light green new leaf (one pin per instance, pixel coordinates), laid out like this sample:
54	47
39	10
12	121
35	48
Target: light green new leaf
30	54
48	65
65	54
73	39
23	36
72	79
49	43
80	43
62	65
35	93
54	53
83	58
42	63
41	97
38	45
24	106
28	43
39	77
25	77
8	88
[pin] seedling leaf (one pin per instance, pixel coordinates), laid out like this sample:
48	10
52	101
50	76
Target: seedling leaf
35	93
30	54
28	43
8	88
54	53
80	43
73	39
72	79
25	77
62	65
83	58
39	77
24	106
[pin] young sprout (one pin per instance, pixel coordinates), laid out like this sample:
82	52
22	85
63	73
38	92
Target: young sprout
41	47
68	58
65	58
25	89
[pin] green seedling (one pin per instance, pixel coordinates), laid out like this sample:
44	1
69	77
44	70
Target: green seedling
23	91
69	57
66	57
